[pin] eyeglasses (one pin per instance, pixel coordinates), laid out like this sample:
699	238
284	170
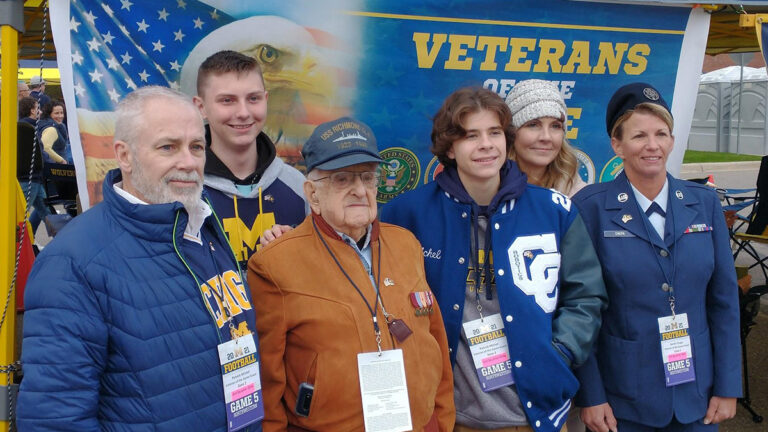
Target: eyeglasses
344	179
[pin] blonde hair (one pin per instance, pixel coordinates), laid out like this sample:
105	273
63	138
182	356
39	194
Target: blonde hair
645	107
561	171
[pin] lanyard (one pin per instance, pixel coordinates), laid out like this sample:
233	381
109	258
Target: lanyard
197	279
373	310
480	273
646	222
222	299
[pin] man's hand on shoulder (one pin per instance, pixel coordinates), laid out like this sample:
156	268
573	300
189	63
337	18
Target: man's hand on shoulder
271	234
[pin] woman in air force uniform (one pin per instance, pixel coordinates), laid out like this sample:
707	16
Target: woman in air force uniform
668	353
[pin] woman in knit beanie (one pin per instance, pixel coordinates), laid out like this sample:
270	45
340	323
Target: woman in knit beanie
540	148
542	152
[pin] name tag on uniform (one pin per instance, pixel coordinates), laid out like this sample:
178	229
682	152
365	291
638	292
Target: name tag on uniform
676	351
617	234
242	382
384	391
490	352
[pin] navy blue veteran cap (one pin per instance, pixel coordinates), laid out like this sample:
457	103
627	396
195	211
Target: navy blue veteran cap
340	143
627	98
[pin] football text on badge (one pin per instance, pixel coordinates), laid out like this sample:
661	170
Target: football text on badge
676	349
241	377
490	352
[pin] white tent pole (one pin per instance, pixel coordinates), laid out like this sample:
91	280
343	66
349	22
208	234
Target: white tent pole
741	91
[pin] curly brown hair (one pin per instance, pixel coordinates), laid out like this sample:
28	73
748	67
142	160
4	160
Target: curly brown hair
48	108
448	123
27	106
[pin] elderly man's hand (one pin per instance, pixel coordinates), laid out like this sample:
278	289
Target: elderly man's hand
271	234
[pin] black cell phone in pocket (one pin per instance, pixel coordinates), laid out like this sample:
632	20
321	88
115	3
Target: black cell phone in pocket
304	399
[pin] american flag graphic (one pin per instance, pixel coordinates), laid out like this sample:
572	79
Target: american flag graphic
118	46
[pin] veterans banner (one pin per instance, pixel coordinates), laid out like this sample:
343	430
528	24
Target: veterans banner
387	63
761	28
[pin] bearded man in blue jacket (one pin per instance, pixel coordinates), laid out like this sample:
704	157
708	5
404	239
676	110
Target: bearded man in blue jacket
134	308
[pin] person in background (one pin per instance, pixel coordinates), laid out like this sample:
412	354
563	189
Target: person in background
668	355
53	133
540	149
342	298
37	90
250	187
34	190
512	267
23	89
133	310
29	110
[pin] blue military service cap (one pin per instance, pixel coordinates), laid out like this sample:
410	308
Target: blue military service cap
340	143
627	98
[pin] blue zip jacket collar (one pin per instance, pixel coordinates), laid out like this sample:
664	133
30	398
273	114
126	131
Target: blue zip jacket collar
512	185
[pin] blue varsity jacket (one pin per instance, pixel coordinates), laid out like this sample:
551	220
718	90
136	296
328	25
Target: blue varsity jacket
548	282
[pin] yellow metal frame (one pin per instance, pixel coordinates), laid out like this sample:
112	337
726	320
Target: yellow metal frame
9	40
734	33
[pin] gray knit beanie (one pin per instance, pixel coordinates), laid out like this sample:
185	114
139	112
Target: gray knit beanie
534	98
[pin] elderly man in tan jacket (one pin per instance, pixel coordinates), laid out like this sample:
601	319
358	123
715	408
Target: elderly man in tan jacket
351	338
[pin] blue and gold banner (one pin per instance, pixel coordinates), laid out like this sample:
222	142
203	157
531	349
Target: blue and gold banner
761	28
388	63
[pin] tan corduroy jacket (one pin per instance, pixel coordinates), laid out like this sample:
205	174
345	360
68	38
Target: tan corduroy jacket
312	323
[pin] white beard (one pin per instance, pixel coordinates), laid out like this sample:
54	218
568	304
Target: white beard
163	192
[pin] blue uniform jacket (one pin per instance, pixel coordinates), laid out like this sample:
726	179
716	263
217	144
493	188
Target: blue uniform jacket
118	336
627	371
547	280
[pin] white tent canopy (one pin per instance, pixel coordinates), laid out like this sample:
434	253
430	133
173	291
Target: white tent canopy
731	73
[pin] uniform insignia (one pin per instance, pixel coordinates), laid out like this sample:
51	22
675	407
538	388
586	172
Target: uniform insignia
622	197
651	94
422	302
697	228
617	234
626	218
269	198
388	282
679	194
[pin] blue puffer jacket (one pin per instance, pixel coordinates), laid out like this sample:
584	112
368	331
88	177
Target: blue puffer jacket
117	334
